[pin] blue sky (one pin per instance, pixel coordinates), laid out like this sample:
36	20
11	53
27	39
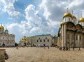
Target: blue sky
34	17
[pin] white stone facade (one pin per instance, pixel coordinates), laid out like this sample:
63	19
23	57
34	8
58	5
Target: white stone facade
6	39
42	40
38	41
71	32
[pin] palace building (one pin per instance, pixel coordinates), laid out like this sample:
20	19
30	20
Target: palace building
6	39
71	32
37	41
42	40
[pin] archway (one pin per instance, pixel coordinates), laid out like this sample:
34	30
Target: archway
3	45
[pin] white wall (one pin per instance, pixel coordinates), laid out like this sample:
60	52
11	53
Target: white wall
48	40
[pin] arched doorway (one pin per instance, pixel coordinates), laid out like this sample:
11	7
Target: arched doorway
24	44
3	45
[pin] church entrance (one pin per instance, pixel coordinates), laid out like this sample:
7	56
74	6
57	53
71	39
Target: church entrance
24	44
3	45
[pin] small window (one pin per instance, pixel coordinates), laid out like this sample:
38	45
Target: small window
48	40
80	37
40	40
69	19
44	40
76	37
65	19
46	37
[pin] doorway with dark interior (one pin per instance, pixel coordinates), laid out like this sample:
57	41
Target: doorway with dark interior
3	45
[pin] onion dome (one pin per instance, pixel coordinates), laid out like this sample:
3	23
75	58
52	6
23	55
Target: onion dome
81	20
67	15
1	27
24	39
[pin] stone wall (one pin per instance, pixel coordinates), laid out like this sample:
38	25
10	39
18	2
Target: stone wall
2	56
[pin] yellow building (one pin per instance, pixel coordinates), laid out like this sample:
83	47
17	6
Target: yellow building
25	41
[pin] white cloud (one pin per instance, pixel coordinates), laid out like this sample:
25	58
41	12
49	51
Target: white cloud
75	3
8	6
53	11
44	7
39	20
31	16
18	29
35	29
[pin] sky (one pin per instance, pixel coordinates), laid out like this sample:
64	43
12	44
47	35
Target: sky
36	17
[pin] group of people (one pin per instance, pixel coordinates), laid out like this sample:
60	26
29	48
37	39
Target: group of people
66	48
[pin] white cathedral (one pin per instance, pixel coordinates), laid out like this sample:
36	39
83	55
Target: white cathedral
71	32
6	39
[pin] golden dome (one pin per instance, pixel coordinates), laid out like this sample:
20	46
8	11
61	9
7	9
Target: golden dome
24	39
81	20
67	15
1	27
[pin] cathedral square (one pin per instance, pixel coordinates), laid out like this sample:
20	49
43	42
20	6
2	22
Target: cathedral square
41	30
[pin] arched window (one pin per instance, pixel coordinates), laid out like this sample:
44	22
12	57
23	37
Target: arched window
44	40
69	19
80	37
40	40
48	40
65	20
37	40
76	37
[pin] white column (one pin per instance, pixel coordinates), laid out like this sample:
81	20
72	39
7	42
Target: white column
78	40
62	36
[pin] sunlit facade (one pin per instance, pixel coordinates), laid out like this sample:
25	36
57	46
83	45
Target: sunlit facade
71	32
6	39
25	41
37	41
